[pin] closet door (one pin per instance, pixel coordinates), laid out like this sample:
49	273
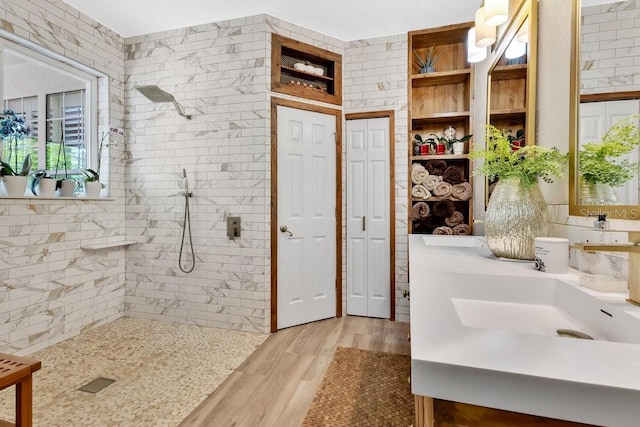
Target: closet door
368	222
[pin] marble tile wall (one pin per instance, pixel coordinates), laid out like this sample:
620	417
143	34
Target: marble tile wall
50	289
610	49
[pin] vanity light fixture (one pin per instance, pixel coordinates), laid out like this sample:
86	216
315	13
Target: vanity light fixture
496	12
474	52
515	50
523	32
485	34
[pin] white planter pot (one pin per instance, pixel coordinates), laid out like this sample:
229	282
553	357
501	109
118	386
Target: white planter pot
92	189
46	188
15	186
68	186
458	148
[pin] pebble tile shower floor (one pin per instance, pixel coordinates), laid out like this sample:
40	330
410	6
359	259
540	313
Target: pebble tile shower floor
162	371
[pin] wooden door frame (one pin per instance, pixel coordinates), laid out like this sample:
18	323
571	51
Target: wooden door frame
281	102
390	114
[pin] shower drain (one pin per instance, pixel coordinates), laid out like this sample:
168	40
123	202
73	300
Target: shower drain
96	385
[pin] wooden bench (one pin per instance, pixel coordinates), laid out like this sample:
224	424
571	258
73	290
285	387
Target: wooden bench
16	370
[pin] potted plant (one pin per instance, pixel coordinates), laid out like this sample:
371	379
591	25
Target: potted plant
65	186
516	141
43	184
12	130
15	182
438	143
600	167
517	211
421	147
458	144
92	184
427	64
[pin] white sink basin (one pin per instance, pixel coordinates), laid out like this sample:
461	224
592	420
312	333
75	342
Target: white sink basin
536	305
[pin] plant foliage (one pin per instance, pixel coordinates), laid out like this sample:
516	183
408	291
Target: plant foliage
429	60
600	162
527	163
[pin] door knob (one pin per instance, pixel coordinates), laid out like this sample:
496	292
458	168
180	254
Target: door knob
283	229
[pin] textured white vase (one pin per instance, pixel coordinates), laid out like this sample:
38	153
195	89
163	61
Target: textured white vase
67	188
14	186
46	187
92	189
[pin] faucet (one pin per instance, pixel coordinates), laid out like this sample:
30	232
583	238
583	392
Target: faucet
633	249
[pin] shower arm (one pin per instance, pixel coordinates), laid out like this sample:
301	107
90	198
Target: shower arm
180	111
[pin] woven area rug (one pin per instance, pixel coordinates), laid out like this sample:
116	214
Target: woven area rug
364	388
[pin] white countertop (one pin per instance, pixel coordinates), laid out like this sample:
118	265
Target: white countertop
596	382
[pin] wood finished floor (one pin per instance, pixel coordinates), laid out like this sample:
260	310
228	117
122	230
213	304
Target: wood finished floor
276	384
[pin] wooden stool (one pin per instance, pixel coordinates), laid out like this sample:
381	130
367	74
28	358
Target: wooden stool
16	370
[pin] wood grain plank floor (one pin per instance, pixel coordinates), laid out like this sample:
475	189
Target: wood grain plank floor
276	384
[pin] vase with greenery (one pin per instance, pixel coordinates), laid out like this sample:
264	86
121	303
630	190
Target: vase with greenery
427	63
602	166
13	130
517	212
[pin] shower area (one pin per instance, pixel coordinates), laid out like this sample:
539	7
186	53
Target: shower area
197	144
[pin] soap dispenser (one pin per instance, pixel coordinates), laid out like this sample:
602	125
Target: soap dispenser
603	271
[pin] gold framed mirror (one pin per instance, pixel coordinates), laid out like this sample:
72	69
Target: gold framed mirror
511	77
602	92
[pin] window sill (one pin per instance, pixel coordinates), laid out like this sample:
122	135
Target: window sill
106	245
106	199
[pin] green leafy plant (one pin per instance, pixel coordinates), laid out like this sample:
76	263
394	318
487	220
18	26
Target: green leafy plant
429	60
8	170
599	162
90	175
38	176
526	164
12	130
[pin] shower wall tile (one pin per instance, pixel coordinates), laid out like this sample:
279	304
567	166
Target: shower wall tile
50	289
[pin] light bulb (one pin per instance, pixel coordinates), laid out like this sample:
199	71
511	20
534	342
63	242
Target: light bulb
515	49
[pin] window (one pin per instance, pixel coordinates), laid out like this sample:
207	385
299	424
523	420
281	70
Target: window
58	103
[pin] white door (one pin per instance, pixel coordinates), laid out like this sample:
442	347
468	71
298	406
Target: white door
306	216
368	222
595	119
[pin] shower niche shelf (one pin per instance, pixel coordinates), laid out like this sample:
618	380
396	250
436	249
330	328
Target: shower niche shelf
321	82
106	245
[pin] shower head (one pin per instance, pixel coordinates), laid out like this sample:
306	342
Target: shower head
155	94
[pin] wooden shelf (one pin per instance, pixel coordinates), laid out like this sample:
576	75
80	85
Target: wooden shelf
440	157
439	118
286	52
509	114
441	78
509	72
106	245
307	75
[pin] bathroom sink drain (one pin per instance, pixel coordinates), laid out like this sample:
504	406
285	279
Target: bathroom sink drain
573	334
96	385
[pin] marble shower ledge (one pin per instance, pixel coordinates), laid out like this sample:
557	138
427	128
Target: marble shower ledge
106	199
106	245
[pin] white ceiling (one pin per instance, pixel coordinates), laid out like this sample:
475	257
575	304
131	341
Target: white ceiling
344	19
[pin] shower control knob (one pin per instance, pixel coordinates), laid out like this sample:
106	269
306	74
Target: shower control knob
283	228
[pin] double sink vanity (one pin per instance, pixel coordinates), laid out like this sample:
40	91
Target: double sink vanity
484	332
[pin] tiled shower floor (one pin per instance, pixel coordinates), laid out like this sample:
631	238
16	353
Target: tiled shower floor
162	371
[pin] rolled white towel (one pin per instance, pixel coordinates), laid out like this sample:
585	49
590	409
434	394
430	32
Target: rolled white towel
432	181
420	192
418	173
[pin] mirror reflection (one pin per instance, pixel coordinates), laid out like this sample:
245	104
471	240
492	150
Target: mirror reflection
607	151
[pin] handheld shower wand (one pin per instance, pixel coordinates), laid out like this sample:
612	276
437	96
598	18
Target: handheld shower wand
186	226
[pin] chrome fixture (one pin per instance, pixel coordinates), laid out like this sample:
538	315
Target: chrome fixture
155	94
186	226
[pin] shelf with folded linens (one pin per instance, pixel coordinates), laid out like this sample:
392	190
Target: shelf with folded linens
440	185
441	194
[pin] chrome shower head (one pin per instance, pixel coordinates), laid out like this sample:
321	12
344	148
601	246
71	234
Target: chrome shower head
155	94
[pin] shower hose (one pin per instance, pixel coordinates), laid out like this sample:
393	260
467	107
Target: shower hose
186	226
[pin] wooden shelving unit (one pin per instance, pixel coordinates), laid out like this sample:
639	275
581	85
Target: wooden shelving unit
437	100
508	109
285	78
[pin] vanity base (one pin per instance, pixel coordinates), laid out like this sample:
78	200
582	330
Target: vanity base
443	413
